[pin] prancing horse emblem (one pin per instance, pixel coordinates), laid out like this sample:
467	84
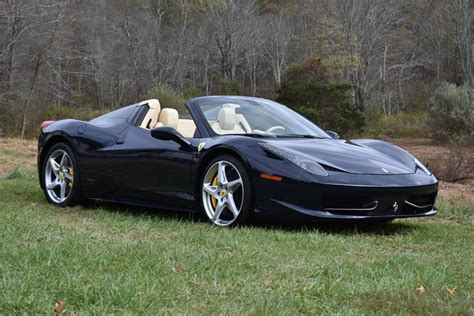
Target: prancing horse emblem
395	206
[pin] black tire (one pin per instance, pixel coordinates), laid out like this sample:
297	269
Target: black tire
247	199
74	196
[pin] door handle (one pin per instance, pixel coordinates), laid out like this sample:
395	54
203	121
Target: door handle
119	141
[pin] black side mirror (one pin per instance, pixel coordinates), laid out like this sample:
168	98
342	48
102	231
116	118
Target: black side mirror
169	133
333	135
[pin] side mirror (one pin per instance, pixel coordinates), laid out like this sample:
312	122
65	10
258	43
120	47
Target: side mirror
333	135
169	133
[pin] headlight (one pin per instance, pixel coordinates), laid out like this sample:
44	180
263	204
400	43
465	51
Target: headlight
302	162
422	167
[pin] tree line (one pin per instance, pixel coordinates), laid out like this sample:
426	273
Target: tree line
102	54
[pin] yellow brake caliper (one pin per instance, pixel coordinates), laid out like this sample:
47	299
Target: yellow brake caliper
213	199
71	172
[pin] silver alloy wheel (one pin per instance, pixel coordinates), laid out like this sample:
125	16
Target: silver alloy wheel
59	176
222	197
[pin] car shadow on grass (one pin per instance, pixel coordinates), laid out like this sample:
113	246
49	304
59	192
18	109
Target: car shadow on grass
345	228
342	228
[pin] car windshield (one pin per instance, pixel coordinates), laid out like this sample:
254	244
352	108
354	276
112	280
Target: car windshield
259	117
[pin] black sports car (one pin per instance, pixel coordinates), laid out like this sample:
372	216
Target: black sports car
230	157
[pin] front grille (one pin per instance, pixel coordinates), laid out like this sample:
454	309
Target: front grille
341	201
378	203
418	203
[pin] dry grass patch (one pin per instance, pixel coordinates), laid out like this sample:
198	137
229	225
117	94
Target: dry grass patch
448	163
17	154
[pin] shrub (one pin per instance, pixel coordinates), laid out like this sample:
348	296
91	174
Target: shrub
399	125
312	89
227	87
11	115
192	92
451	112
168	98
10	118
455	165
83	98
54	112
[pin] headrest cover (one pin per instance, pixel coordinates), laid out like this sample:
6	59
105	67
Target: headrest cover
227	118
169	117
153	103
230	105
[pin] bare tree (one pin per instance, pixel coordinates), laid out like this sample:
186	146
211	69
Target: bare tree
104	53
229	20
461	16
154	12
279	33
33	28
365	25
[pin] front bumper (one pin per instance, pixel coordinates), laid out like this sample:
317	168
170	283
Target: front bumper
305	201
287	211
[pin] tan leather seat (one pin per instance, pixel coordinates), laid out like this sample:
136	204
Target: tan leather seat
156	117
169	118
229	122
151	118
186	127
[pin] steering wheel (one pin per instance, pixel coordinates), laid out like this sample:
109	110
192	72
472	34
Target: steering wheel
275	128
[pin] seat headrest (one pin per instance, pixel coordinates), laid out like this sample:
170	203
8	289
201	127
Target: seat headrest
230	105
151	118
227	117
169	117
152	103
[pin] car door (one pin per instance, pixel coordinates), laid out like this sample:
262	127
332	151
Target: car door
149	171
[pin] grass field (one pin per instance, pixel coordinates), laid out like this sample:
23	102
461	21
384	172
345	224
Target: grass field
110	259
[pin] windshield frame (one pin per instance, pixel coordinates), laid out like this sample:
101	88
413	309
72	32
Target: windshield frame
194	105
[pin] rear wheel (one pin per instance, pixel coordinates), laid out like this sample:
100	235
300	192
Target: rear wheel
60	176
226	193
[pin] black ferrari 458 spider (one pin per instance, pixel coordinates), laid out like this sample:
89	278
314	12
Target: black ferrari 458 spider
230	158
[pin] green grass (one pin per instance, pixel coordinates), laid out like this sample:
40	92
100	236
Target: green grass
110	259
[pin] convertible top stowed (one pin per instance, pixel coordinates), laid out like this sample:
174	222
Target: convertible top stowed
230	158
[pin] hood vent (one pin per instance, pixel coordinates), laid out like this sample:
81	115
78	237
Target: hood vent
329	168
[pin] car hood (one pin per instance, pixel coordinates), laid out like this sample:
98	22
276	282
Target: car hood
355	156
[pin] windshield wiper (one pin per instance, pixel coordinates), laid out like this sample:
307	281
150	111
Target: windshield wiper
256	135
300	136
249	135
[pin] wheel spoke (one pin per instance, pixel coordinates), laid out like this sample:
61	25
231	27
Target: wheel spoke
212	190
54	166
222	177
232	207
68	176
217	214
53	184
63	161
63	190
234	185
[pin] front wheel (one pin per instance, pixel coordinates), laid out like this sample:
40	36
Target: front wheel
59	176
226	193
